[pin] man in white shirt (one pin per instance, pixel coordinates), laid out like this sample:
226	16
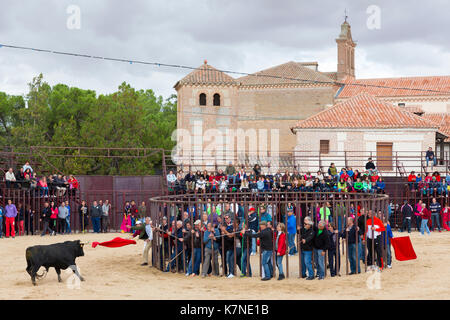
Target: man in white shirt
10	178
171	178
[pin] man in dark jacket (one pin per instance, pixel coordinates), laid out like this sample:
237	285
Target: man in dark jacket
320	244
407	212
429	156
334	258
435	209
228	235
253	225
177	254
370	165
96	214
361	222
306	246
194	238
246	243
45	218
352	237
266	240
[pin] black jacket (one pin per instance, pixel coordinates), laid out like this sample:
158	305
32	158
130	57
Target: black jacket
407	210
308	236
321	242
351	235
197	240
96	211
362	224
370	165
45	214
266	239
332	241
228	242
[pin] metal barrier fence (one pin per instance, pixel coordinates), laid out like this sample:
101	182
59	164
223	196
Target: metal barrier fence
34	201
174	249
397	163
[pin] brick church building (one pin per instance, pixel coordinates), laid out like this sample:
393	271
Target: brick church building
283	96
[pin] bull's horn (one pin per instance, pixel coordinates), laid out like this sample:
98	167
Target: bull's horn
85	243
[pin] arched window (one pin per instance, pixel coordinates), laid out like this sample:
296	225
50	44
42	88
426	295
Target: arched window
202	99
216	101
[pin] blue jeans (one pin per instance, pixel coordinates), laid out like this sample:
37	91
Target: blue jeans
424	226
434	161
197	261
352	258
43	191
1	227
244	264
435	221
230	261
406	225
307	263
254	243
96	224
268	268
389	256
280	264
361	250
68	230
320	262
418	222
291	243
339	219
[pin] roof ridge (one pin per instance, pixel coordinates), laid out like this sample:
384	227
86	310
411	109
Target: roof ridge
371	101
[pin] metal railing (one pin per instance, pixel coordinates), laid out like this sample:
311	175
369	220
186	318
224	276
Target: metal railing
170	254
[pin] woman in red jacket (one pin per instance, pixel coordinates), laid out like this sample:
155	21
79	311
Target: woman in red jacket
280	246
445	212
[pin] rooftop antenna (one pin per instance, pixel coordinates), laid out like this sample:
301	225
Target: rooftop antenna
345	15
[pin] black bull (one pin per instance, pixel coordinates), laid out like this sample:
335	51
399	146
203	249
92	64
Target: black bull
58	255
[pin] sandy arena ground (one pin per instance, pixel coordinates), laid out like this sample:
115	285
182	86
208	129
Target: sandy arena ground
115	273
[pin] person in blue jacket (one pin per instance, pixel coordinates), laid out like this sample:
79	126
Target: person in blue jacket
291	232
387	236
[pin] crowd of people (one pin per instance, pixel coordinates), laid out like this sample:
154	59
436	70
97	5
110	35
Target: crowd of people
44	186
54	218
430	184
194	241
232	180
425	219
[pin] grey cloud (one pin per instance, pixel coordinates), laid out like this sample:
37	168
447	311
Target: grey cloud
231	34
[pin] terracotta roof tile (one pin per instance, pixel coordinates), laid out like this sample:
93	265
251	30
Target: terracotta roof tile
205	74
413	108
285	74
365	111
436	83
442	120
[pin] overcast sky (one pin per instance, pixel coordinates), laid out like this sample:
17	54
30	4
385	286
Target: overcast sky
246	36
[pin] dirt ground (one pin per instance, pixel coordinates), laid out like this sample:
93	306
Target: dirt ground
115	273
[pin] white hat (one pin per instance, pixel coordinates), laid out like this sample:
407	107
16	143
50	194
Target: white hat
138	222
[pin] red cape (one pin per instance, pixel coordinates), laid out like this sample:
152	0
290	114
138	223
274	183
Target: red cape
403	248
114	243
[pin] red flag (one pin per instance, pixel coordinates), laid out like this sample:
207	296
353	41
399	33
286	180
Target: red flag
114	243
403	248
